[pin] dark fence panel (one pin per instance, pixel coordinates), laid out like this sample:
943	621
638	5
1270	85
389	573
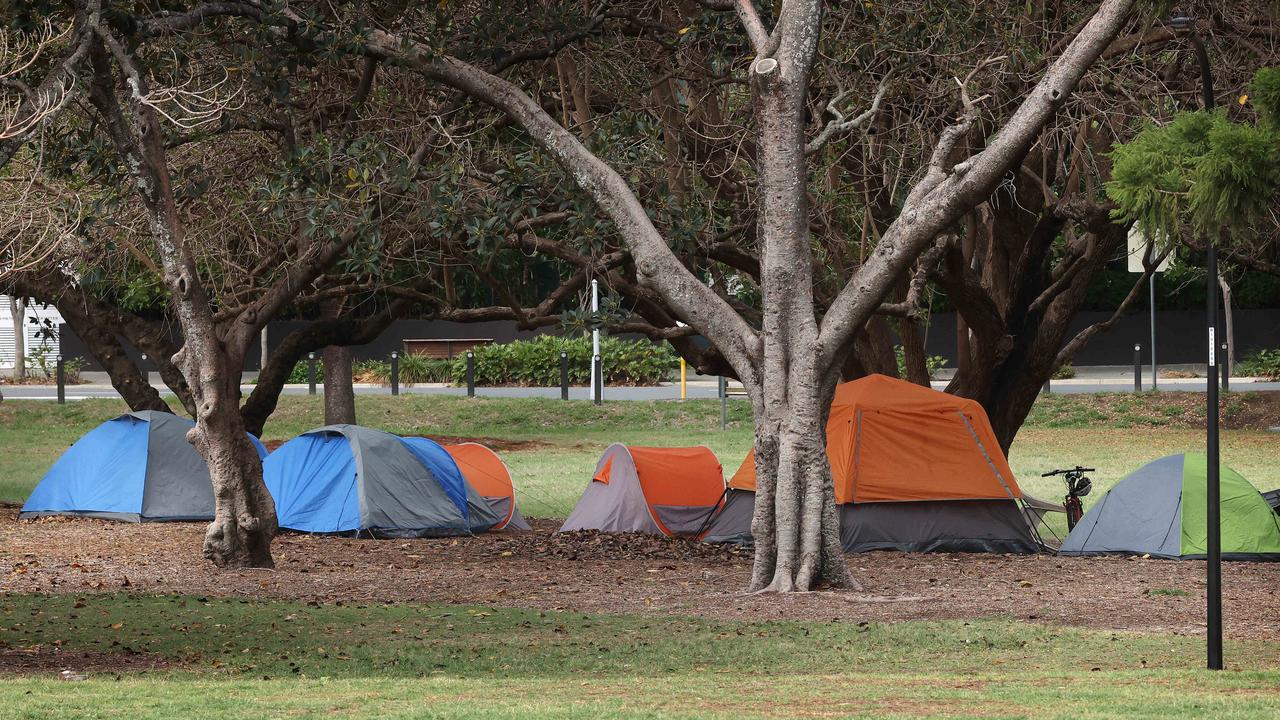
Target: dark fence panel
1179	337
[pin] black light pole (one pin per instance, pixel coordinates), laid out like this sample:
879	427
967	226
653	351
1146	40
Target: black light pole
1214	539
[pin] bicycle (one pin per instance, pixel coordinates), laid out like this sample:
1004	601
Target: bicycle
1078	485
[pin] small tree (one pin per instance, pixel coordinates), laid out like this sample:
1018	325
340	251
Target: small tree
1203	174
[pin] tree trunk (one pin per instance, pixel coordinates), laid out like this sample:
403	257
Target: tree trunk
18	311
244	521
339	392
1229	332
795	523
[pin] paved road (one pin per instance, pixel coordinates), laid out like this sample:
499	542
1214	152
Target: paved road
696	389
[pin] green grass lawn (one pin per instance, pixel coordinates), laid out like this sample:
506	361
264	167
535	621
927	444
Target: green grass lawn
569	437
247	659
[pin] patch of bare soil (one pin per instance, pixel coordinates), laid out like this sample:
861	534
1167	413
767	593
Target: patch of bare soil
591	572
76	664
496	444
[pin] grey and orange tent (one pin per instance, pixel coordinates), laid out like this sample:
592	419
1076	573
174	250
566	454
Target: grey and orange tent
659	491
486	472
914	469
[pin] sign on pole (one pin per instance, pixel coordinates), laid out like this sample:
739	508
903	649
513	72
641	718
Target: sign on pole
1139	244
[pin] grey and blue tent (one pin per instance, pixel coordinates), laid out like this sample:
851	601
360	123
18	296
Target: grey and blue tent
1160	510
348	479
136	468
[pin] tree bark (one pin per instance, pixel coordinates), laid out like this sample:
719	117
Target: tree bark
1229	331
339	390
18	313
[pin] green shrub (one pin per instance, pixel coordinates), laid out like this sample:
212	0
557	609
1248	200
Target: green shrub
536	362
1064	372
414	369
298	376
1263	364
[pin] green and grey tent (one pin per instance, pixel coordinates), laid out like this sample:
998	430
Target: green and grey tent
1160	509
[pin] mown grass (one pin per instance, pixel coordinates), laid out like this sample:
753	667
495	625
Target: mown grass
1109	432
249	659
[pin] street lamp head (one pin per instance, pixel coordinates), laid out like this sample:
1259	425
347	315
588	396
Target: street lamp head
394	354
311	356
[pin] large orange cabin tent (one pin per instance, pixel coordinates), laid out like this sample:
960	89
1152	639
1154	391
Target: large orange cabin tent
914	469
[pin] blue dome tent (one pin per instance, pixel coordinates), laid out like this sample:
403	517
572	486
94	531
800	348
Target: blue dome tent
136	468
352	479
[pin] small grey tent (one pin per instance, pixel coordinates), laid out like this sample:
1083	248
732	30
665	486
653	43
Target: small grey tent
136	468
1160	508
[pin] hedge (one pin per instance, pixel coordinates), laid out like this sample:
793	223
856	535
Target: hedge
536	362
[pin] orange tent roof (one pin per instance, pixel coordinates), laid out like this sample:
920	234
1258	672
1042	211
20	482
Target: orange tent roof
686	476
890	440
486	472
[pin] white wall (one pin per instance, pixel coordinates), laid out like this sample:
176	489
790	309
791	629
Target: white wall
32	331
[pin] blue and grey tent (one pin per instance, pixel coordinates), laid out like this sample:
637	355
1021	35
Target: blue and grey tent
136	468
357	480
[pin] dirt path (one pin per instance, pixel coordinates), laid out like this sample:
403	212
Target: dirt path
587	572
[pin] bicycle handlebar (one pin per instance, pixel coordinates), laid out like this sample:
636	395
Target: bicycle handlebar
1073	470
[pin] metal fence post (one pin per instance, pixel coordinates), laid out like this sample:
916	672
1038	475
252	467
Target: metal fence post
723	388
1137	367
62	379
395	373
471	374
311	373
564	375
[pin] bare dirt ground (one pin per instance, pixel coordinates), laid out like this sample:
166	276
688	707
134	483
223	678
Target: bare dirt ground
588	572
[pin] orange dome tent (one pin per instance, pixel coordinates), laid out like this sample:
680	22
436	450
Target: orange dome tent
486	472
914	469
660	491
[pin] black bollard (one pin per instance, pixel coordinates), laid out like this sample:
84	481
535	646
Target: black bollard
311	373
471	374
564	375
395	373
1226	369
1137	367
723	388
62	379
599	371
